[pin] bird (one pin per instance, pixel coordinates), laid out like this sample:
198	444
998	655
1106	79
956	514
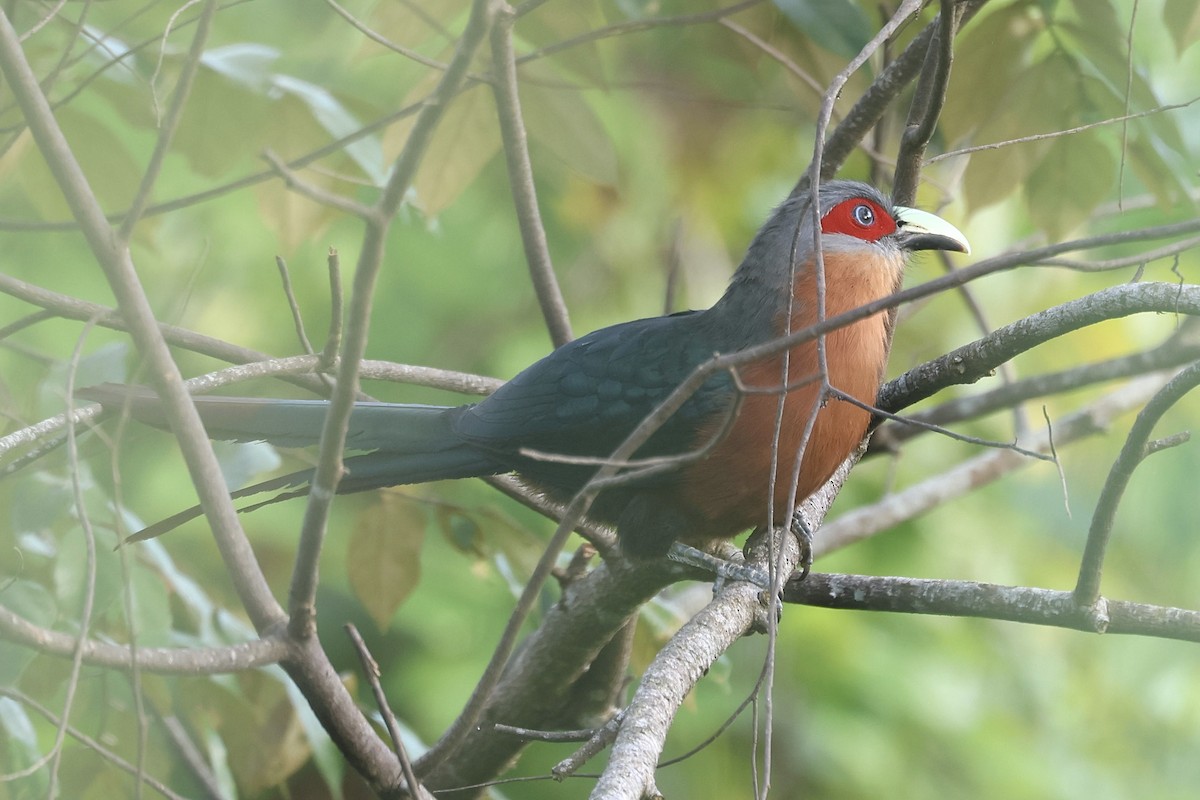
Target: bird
584	398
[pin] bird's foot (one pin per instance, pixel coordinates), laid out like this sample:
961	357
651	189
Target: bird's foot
723	569
804	536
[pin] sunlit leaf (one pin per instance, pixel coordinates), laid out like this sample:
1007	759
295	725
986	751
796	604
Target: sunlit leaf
553	23
466	139
384	555
988	60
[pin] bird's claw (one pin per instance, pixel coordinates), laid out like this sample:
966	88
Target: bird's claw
804	536
723	569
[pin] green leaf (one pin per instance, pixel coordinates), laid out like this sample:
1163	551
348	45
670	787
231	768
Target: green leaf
565	124
1182	19
21	747
988	63
465	141
151	608
384	555
1080	162
32	602
335	118
837	25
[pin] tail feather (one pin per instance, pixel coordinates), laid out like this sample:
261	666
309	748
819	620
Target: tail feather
400	427
408	443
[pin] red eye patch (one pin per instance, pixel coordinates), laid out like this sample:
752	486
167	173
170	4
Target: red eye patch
859	217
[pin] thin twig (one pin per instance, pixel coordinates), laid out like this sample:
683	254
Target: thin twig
1087	588
1037	137
520	180
297	318
166	131
92	744
371	672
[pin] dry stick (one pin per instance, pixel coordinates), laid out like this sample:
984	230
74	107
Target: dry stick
1005	370
193	759
293	306
310	668
371	671
380	39
638	25
333	341
1137	259
1087	588
27	321
778	560
1028	605
520	180
118	267
73	308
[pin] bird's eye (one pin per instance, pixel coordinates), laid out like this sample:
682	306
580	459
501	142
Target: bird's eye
864	215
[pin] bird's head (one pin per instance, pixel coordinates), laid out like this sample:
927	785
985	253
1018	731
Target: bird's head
855	216
863	236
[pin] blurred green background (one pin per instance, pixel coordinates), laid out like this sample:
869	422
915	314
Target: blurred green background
669	143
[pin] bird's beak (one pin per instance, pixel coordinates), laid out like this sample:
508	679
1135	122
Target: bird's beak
920	230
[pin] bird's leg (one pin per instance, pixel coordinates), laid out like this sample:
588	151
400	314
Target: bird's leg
723	569
804	536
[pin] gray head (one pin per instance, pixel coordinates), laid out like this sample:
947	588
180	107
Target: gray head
855	218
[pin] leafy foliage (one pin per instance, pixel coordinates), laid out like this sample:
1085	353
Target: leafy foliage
657	150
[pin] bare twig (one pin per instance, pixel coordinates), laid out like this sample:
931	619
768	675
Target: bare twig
1055	134
166	132
1179	349
1087	589
971	362
92	744
371	671
159	660
297	318
520	180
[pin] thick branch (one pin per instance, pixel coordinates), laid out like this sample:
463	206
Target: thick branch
991	601
971	362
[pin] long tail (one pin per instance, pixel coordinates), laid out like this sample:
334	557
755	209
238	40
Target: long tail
408	443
